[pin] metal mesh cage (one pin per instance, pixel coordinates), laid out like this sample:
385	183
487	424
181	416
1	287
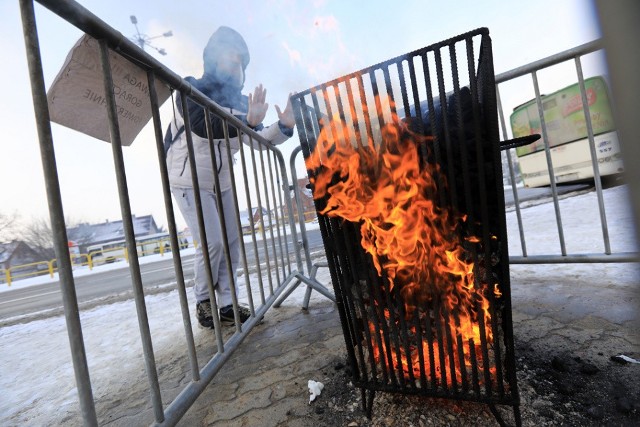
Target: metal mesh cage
404	163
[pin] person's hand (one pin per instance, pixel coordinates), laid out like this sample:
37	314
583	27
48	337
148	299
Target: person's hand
286	117
257	106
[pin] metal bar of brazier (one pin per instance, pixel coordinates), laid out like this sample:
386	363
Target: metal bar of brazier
404	163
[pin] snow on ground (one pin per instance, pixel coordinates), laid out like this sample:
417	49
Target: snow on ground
581	225
37	383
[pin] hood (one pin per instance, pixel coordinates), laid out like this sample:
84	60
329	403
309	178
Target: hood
223	40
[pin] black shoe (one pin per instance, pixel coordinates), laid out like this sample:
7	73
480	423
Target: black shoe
204	314
226	315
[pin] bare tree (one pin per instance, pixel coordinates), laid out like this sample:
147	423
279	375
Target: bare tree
39	236
8	225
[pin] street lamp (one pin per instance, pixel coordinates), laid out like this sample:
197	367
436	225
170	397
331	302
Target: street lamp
142	40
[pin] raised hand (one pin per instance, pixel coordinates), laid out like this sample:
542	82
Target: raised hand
286	117
257	106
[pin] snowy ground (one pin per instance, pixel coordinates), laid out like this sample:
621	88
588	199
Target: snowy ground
581	225
37	382
37	385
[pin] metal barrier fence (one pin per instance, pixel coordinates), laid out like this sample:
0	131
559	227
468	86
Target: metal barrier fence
263	170
607	256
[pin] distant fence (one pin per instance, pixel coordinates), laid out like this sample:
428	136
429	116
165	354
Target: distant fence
25	271
260	168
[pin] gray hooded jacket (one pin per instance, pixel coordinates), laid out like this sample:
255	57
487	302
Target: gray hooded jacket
230	98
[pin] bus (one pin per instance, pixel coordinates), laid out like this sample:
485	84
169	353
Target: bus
567	133
113	251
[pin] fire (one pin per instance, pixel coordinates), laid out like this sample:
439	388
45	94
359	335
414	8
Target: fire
416	245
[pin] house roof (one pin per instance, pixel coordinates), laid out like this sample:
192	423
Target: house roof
244	215
7	249
112	230
16	251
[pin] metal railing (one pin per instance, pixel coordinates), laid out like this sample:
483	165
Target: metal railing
263	172
26	271
312	268
532	69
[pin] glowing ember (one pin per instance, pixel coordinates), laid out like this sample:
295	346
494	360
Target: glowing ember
415	244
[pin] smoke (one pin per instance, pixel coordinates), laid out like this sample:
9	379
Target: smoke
326	23
318	52
295	57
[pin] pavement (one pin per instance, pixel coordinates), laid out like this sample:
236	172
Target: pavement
265	383
592	314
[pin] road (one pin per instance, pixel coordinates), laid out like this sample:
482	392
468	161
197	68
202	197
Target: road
27	300
46	296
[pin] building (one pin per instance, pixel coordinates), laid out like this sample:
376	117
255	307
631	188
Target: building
17	253
257	218
91	234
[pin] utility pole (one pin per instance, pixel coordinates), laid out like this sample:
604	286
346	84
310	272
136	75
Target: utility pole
143	40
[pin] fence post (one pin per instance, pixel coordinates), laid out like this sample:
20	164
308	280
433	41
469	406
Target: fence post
56	213
50	265
7	273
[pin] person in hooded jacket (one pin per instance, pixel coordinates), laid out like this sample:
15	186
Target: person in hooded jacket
226	57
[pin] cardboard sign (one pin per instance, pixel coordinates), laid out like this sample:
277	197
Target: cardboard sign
76	97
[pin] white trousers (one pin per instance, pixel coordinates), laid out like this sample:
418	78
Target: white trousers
185	199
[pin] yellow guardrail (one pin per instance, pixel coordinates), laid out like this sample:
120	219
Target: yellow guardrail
32	269
92	259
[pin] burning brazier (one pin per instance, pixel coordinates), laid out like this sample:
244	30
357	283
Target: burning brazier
404	163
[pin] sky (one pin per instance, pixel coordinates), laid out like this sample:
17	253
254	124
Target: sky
46	393
294	45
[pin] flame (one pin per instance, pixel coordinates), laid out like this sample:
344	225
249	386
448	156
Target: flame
496	290
414	243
